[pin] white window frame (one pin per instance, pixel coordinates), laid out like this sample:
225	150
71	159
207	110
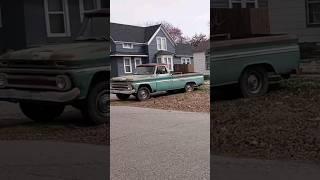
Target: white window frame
135	62
308	12
126	65
1	25
66	19
162	46
83	11
127	47
243	3
166	60
185	60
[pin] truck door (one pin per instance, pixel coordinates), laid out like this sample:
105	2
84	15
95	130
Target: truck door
163	79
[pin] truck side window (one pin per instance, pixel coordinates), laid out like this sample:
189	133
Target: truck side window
161	70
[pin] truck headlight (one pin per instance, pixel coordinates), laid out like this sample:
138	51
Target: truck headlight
3	80
62	82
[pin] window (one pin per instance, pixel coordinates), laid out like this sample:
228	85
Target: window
0	16
161	43
127	45
313	12
207	62
166	60
162	70
57	18
137	61
127	65
185	61
243	3
89	5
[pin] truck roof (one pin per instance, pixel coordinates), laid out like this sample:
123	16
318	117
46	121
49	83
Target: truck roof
152	64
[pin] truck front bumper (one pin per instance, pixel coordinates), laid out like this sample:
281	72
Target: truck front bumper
47	96
113	91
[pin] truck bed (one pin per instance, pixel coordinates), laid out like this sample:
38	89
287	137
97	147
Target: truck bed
278	53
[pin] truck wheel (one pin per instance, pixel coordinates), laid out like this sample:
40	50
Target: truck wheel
123	96
254	82
143	94
189	87
41	112
96	107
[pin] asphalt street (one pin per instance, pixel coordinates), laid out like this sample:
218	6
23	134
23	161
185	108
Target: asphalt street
48	160
159	144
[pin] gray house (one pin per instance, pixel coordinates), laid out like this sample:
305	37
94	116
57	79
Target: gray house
297	17
134	45
31	23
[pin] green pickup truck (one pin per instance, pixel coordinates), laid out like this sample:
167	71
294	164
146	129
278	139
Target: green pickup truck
250	62
151	78
43	80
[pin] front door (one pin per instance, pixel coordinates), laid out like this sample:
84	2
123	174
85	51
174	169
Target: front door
164	79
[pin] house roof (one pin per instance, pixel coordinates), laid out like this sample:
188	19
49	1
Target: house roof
183	49
129	33
202	47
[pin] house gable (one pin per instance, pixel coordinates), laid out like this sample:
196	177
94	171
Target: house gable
152	46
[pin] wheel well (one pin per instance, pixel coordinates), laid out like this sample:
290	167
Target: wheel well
147	86
267	66
100	76
191	83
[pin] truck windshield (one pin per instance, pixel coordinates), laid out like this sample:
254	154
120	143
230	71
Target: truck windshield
94	28
144	70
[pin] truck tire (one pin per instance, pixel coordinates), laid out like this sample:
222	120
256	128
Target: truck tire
254	82
96	106
143	94
123	96
41	112
189	87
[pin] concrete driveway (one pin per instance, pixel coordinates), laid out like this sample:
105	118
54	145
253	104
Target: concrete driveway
159	144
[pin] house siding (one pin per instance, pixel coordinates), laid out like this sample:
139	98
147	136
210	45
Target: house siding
200	65
137	48
117	66
152	48
13	30
225	3
289	16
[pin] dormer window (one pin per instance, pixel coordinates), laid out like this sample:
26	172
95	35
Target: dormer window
127	45
161	43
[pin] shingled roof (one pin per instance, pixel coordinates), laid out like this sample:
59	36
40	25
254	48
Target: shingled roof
183	49
129	33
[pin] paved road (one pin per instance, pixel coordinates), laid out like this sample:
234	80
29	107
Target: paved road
159	144
45	160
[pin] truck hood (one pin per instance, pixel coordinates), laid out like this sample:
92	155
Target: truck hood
70	51
132	78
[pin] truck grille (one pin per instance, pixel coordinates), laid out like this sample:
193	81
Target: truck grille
120	85
35	82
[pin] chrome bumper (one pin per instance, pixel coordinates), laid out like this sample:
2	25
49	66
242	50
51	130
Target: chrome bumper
113	91
47	96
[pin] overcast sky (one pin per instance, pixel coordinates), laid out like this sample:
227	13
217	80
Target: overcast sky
191	16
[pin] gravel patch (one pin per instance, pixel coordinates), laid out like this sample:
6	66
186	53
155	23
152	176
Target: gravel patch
284	124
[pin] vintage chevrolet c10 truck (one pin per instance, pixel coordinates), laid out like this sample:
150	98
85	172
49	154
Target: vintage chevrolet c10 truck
249	62
43	80
151	78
